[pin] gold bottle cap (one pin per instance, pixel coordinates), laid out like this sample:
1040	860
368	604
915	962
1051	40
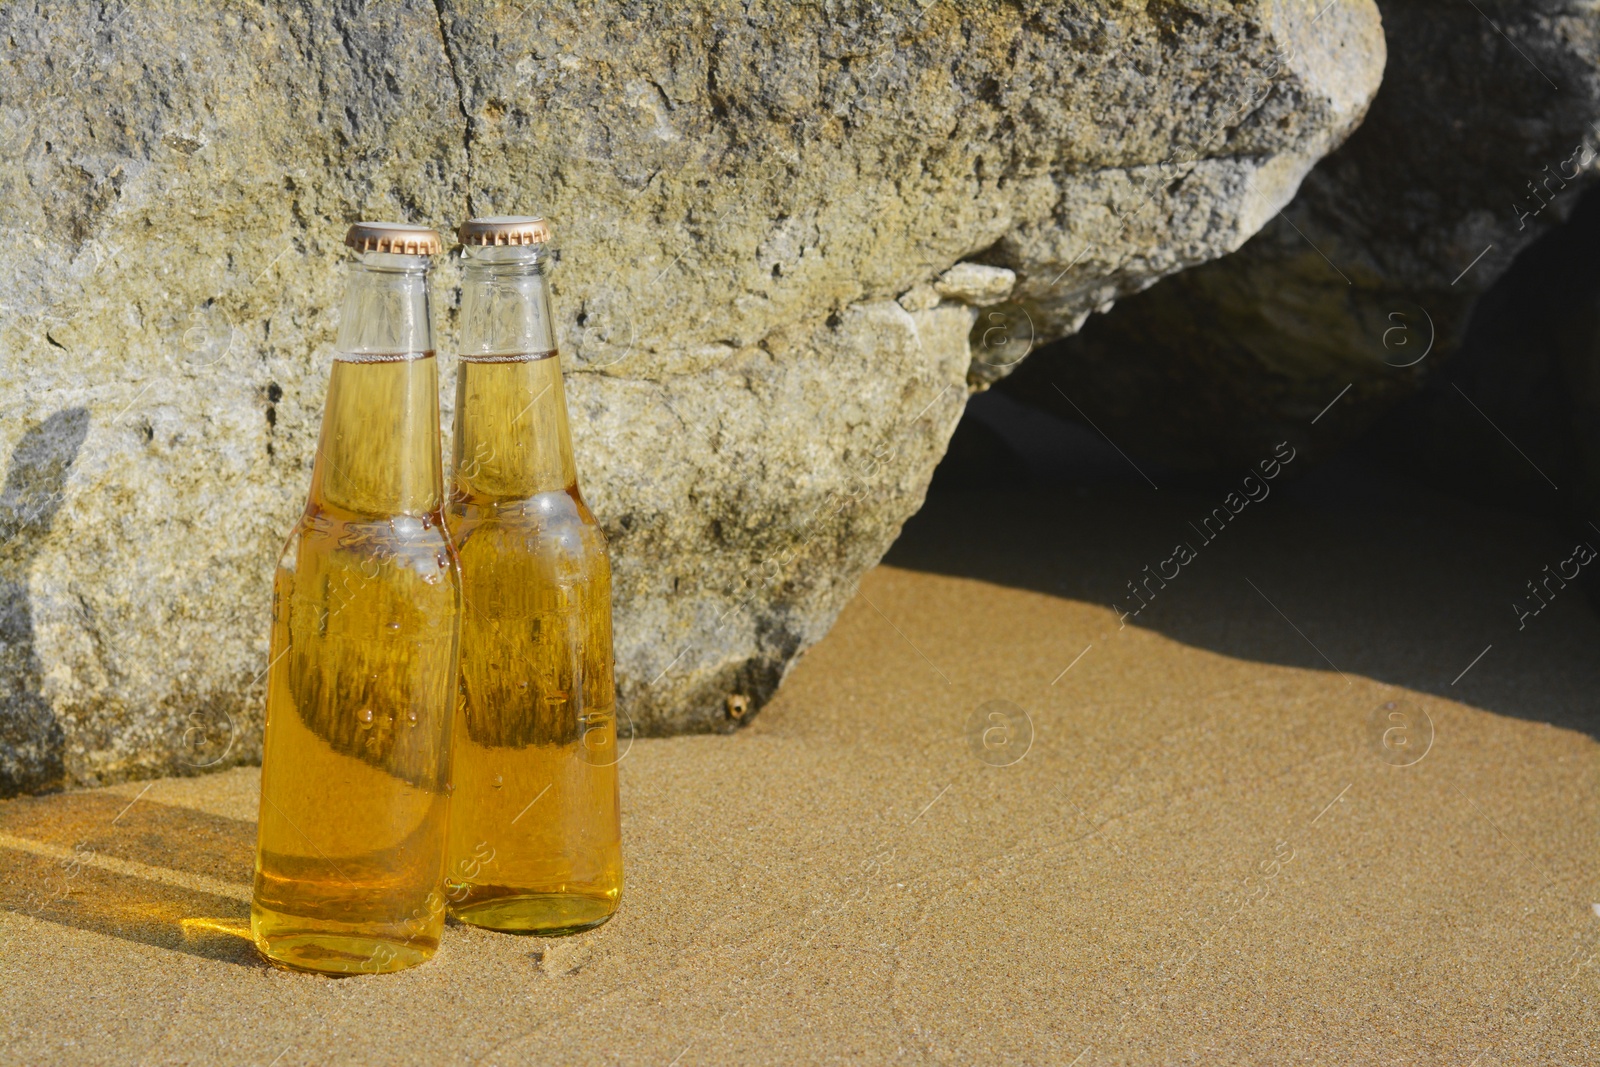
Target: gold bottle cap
399	238
505	230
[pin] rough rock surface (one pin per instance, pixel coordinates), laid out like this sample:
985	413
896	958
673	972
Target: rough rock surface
1482	134
742	193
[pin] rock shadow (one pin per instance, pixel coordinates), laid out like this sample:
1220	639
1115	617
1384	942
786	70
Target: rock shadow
31	740
1352	567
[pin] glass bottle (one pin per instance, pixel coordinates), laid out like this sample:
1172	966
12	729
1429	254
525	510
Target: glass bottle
535	835
365	620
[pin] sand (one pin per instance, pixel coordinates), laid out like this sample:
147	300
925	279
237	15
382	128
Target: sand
1202	856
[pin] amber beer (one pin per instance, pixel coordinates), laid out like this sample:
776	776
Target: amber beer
535	838
363	668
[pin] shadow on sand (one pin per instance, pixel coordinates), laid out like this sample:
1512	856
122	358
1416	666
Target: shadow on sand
1350	567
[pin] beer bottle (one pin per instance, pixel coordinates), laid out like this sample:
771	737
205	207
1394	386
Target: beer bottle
535	838
365	623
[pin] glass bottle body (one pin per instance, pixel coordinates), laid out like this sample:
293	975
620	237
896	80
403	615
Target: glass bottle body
535	832
362	675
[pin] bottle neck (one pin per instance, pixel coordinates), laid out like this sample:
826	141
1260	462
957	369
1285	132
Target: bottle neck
512	440
379	451
505	302
387	312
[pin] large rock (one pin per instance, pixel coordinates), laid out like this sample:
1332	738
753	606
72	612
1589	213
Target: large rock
1477	143
743	198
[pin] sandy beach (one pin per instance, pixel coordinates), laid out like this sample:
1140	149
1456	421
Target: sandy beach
1188	844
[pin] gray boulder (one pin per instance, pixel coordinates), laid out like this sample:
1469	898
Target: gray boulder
1478	142
742	198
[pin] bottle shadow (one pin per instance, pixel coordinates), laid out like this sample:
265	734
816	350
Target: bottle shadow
31	739
150	873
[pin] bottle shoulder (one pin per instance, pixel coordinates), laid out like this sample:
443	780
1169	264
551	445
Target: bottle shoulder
554	510
555	526
420	543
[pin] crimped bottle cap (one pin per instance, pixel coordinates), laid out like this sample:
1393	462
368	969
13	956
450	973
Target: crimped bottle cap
505	230
400	238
